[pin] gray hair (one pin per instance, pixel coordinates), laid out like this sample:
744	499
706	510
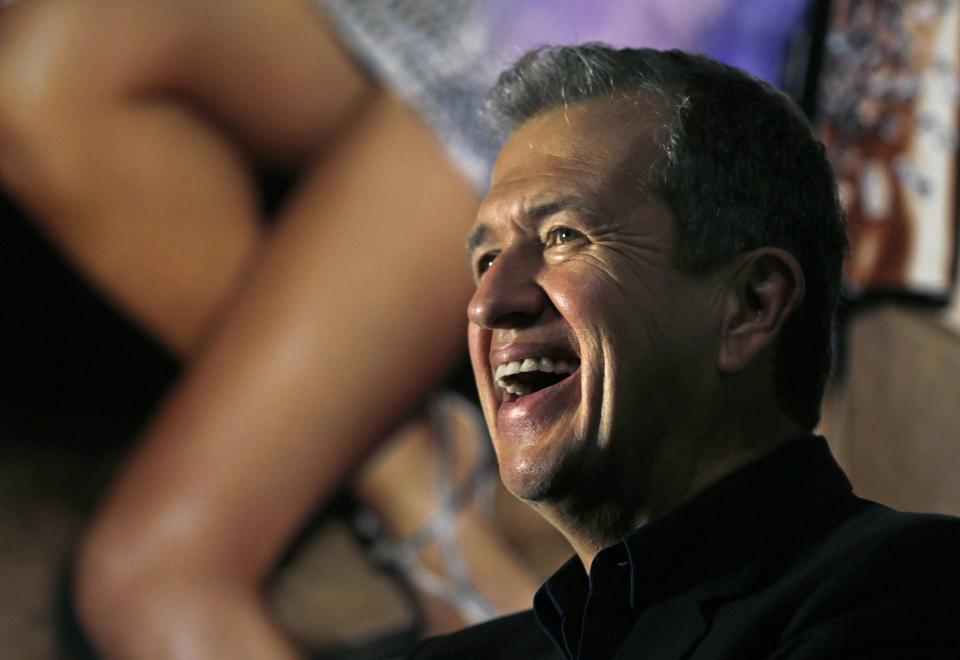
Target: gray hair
739	167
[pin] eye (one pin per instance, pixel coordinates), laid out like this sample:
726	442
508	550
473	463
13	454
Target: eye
562	235
484	262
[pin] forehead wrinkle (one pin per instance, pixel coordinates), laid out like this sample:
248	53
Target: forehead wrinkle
541	210
606	170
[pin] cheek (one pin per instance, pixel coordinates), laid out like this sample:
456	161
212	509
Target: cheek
606	321
479	345
579	295
478	341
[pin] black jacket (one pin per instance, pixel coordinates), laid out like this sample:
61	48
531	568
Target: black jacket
779	560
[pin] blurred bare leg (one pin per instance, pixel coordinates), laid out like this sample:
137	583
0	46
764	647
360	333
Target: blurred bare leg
127	127
144	184
333	324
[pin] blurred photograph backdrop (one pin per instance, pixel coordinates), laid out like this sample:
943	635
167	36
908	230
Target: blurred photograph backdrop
879	80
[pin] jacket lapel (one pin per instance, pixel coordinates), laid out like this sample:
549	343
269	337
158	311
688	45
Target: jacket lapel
666	632
671	630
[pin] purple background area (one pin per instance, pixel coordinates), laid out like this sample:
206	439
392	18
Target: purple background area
751	34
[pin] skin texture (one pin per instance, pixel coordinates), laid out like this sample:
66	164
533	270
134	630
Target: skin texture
571	254
128	136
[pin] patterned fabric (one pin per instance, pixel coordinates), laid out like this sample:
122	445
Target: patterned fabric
435	56
442	56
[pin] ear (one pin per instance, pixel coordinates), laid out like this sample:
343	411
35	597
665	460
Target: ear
766	287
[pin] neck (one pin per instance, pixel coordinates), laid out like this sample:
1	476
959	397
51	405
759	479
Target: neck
683	469
590	529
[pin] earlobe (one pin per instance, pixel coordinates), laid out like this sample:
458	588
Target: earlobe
766	287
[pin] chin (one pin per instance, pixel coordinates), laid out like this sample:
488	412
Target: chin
535	480
525	488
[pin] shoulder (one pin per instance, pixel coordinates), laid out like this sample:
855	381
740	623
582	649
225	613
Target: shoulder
876	535
876	550
881	580
515	636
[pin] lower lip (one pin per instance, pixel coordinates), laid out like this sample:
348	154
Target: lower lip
545	404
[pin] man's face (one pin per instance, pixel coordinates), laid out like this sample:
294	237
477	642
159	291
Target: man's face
577	287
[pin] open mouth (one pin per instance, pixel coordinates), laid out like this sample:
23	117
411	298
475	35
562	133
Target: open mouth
520	378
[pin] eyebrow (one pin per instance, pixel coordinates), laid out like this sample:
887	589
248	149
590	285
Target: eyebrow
536	212
475	238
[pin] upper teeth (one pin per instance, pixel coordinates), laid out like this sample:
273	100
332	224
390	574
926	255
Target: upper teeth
534	364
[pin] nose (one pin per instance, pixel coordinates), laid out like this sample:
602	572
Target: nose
508	294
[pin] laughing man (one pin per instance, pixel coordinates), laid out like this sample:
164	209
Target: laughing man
657	265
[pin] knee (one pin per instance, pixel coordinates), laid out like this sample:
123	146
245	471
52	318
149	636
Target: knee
40	81
142	579
60	59
124	577
62	64
106	581
39	59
